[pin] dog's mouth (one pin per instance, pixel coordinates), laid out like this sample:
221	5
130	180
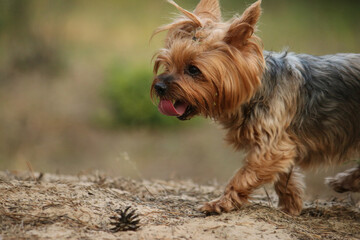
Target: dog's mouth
177	108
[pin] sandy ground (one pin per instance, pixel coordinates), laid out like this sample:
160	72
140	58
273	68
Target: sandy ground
46	206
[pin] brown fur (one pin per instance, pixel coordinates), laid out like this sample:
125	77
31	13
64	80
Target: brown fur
229	90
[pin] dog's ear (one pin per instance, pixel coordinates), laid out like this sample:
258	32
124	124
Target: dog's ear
252	14
208	9
242	28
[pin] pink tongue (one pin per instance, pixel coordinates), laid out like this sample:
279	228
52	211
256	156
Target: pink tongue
167	108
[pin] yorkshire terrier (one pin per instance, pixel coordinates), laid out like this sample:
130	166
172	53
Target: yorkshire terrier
286	110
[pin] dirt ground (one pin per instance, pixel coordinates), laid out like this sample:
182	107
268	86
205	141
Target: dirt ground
47	206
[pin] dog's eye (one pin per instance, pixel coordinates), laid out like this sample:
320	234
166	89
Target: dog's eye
192	70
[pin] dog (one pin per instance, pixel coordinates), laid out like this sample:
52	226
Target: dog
287	111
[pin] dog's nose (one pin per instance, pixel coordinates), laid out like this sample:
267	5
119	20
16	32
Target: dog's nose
160	88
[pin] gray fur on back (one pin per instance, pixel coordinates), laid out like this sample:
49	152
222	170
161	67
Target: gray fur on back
326	93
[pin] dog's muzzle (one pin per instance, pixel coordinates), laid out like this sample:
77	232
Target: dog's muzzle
160	88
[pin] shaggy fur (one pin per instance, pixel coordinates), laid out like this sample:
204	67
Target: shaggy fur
284	109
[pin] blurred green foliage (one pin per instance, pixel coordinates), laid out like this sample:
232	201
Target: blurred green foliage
127	94
22	45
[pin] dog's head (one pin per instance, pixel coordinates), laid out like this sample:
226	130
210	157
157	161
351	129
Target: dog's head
208	67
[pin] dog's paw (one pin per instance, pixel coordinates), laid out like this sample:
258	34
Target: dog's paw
336	184
291	211
226	203
217	206
345	181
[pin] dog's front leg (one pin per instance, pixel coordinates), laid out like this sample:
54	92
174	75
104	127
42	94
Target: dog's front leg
290	187
261	167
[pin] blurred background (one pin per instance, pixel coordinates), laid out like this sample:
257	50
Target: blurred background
75	78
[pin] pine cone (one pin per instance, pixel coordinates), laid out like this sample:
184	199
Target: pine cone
125	221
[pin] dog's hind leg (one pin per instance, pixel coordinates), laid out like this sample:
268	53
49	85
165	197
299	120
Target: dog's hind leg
290	188
348	181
